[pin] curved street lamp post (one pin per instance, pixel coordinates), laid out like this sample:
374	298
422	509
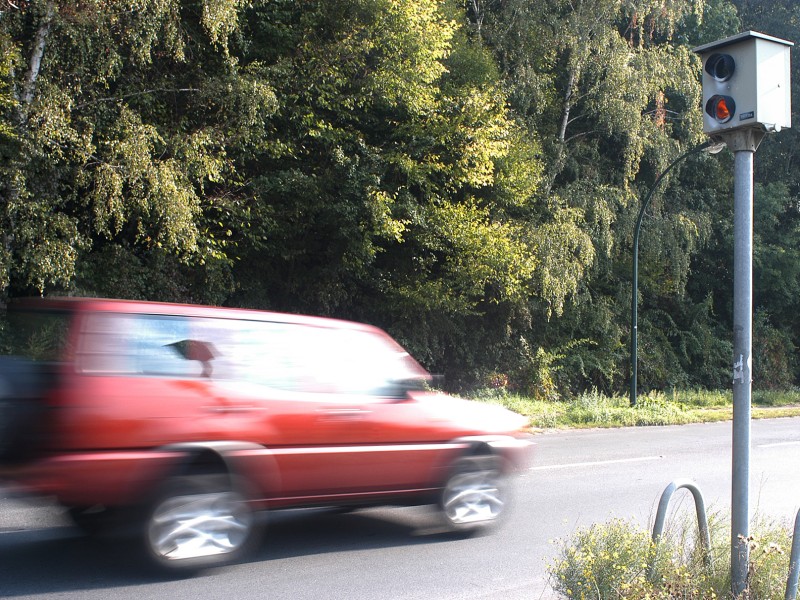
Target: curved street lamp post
714	146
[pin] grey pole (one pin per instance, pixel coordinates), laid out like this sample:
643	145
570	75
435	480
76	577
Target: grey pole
743	144
760	85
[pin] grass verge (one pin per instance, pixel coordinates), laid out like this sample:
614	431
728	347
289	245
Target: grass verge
595	409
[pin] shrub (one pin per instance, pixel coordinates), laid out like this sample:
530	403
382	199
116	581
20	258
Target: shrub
612	561
604	562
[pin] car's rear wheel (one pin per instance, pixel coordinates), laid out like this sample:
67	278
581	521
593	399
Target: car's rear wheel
475	494
196	522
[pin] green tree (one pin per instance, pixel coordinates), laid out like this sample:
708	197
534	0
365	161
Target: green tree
466	175
612	89
123	113
395	173
776	279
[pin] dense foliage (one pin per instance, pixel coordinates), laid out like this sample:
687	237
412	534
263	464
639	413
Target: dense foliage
464	174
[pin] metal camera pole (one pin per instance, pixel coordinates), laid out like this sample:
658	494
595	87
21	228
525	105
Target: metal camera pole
743	143
746	93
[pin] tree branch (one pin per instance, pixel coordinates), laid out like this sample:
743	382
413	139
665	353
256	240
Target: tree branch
142	93
580	135
39	42
562	131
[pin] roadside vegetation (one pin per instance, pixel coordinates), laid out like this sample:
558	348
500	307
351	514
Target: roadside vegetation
595	409
465	175
618	560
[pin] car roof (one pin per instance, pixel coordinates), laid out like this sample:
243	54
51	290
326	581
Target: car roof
86	304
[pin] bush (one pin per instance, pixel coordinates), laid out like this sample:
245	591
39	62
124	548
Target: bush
604	562
612	561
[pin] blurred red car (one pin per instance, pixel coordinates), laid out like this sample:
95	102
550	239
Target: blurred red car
185	420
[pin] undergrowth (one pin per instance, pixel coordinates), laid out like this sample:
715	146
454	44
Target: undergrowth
618	561
595	409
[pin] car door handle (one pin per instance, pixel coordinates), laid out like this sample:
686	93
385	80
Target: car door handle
225	409
344	414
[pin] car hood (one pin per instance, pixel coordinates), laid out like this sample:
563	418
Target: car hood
470	416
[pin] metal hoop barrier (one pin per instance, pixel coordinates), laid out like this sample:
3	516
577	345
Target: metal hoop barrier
794	562
702	520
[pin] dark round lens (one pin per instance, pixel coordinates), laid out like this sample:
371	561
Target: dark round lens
721	108
720	66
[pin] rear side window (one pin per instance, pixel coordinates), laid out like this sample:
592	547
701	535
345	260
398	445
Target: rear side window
148	345
40	335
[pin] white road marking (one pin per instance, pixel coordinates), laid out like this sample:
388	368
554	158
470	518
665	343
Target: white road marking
778	444
596	463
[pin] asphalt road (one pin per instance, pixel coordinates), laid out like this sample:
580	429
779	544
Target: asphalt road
578	478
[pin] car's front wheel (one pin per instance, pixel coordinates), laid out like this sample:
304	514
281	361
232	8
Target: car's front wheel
475	495
197	522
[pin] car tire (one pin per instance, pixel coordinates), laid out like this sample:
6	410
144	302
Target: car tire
196	522
93	520
475	495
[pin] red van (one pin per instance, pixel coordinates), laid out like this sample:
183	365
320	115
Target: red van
185	420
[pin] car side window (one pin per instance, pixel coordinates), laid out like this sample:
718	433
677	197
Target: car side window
283	356
41	335
162	346
258	352
318	360
103	345
129	344
361	362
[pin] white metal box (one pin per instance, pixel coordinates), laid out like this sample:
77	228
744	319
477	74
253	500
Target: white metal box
755	89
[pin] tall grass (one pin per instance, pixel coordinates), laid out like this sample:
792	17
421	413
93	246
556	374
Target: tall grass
595	409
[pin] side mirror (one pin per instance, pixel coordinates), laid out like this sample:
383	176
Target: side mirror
399	389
